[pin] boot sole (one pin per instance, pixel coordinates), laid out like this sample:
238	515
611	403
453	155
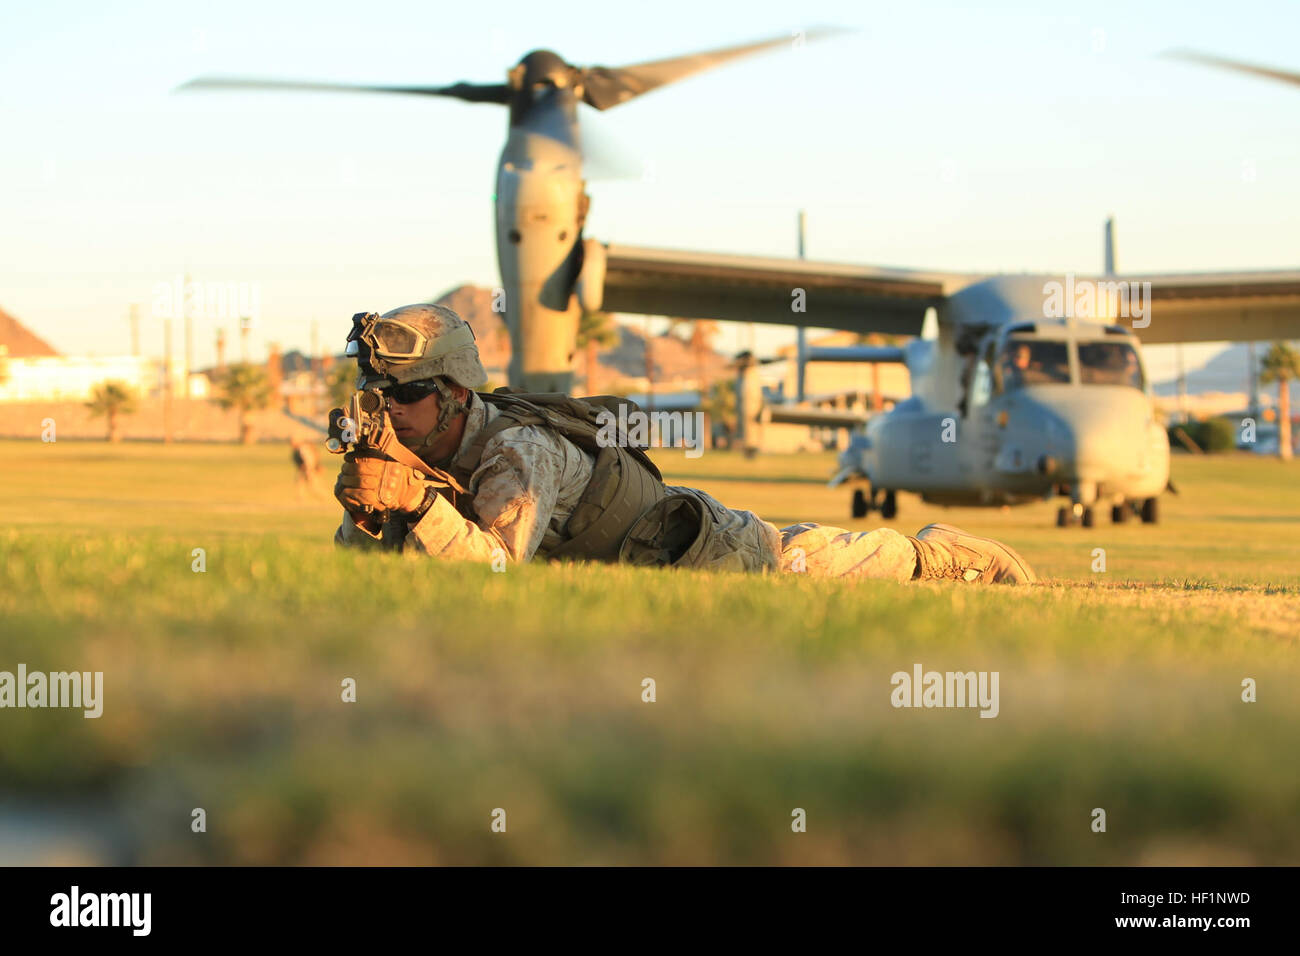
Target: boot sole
1026	573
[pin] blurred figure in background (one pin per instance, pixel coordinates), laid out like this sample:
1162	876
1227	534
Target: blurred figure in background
307	466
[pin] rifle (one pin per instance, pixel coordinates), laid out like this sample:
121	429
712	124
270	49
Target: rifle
363	429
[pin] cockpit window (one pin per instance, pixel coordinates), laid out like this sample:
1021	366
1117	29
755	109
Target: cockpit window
1033	362
1109	363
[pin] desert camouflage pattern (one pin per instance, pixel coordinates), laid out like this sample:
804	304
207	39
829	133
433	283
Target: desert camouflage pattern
829	552
691	529
525	488
530	479
451	351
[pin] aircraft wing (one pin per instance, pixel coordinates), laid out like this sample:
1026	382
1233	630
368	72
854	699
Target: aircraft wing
1220	306
1185	307
858	353
818	417
701	285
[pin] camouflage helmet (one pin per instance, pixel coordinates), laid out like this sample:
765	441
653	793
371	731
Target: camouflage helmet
415	343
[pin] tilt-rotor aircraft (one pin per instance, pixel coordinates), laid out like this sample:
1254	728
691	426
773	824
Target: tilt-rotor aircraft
1024	387
548	272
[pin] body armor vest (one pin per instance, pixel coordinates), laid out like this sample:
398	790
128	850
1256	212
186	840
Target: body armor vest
624	484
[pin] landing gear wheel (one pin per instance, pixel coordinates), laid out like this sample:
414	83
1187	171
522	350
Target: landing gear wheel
861	506
1118	513
1063	517
1087	517
889	507
1150	511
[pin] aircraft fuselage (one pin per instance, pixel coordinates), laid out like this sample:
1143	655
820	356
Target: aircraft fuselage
1050	408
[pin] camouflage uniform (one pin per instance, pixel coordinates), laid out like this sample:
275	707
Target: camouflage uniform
530	479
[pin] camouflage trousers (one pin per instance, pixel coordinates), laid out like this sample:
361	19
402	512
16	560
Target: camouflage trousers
823	551
741	541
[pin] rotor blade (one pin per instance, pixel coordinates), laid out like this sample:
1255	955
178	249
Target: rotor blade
471	92
608	86
1192	56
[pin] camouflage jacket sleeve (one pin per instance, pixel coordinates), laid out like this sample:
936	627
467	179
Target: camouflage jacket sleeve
350	535
515	491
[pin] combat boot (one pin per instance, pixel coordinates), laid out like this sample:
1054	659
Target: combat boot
947	553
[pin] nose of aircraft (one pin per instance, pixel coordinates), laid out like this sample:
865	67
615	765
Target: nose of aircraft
1098	434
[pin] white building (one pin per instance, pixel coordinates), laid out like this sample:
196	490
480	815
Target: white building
32	370
73	378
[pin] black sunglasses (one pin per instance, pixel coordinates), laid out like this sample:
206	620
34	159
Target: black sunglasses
408	393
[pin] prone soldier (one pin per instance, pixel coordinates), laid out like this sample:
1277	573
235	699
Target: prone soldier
435	468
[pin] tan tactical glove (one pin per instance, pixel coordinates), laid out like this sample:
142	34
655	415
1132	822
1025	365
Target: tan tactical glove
370	486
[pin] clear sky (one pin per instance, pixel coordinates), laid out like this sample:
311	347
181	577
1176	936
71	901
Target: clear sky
992	136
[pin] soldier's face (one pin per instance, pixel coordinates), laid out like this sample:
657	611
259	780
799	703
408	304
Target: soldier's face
413	421
417	419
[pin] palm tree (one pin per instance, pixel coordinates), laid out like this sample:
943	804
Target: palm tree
246	388
112	399
1280	364
595	330
720	407
703	332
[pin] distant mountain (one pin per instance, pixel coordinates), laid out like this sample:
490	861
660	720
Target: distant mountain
474	305
20	341
673	358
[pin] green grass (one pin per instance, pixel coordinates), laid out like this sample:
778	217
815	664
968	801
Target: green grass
522	690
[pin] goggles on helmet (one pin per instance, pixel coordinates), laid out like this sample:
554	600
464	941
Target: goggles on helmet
378	343
386	339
